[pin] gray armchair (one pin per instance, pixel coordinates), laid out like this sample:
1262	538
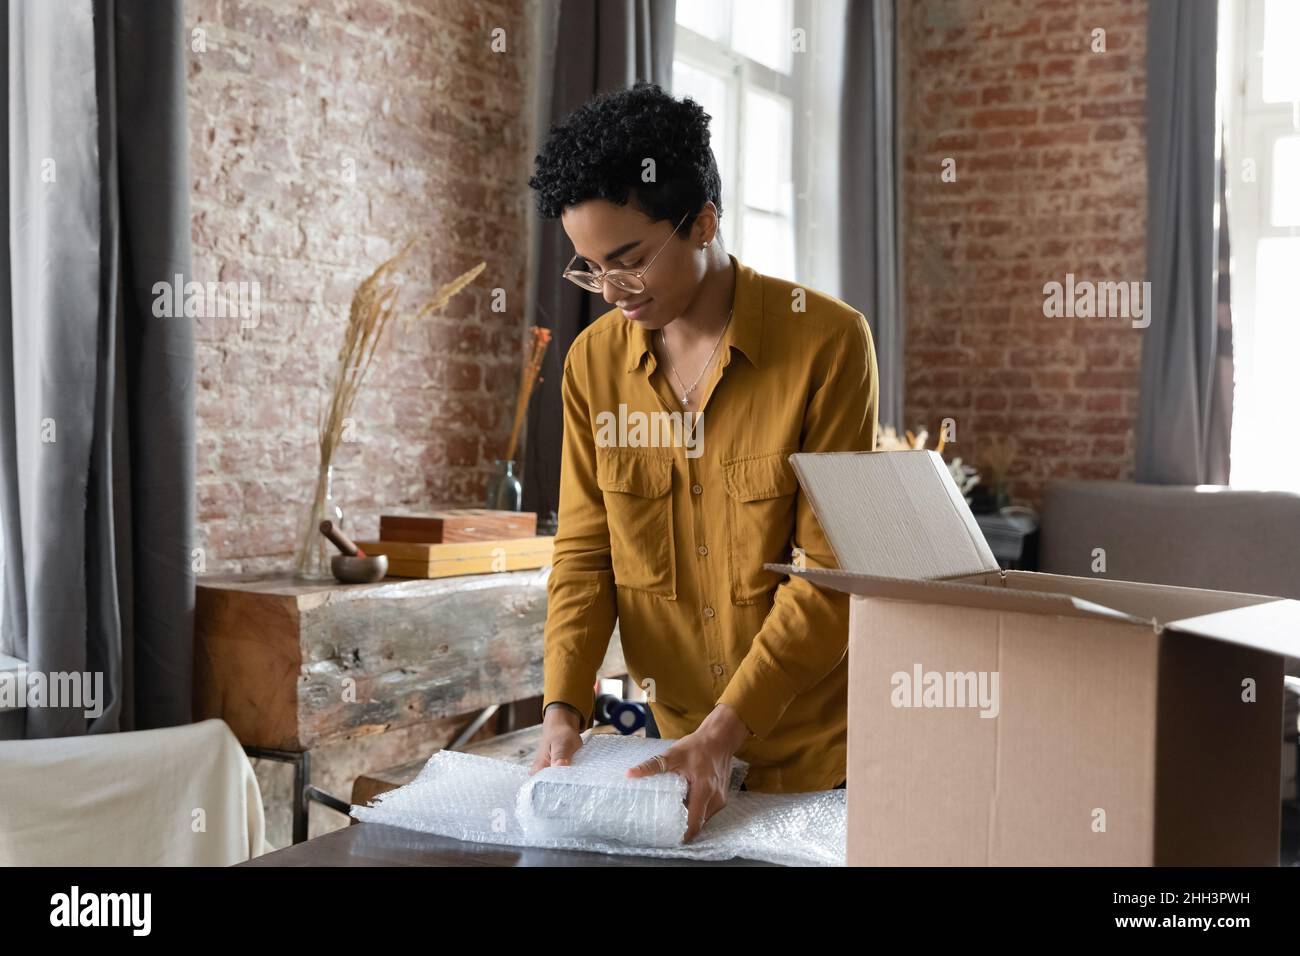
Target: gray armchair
1224	539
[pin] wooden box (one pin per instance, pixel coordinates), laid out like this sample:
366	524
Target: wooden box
458	524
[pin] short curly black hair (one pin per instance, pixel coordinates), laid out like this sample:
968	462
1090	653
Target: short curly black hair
599	151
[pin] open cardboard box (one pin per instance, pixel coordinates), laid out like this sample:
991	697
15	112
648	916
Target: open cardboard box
1120	724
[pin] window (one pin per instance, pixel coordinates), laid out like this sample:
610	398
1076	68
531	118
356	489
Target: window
750	64
1260	80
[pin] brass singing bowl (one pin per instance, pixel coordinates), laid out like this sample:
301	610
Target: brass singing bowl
359	570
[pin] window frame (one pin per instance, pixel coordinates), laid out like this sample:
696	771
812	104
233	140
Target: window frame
740	74
1251	127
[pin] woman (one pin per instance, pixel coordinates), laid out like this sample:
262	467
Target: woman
664	524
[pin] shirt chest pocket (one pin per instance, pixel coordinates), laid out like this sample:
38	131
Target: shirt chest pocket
760	521
638	504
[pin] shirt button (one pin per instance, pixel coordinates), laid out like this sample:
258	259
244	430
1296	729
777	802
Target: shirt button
697	489
708	612
702	549
717	669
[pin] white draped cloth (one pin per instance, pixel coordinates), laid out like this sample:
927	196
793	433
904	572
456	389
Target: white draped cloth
179	796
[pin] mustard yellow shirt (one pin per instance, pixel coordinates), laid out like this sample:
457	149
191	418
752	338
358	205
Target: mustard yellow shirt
665	526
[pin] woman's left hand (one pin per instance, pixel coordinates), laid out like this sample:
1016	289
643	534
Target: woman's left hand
704	759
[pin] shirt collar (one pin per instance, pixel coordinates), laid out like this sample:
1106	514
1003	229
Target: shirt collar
744	333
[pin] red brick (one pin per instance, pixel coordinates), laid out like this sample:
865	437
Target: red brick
1077	134
1057	113
1105	402
985	119
1111	132
1098	109
1107	63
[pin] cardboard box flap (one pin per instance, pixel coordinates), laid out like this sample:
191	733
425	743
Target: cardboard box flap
955	592
1273	626
893	514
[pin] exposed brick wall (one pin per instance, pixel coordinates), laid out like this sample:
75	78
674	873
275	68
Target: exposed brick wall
1049	142
286	95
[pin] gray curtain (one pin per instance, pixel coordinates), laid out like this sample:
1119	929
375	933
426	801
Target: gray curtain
869	221
599	45
96	393
1181	427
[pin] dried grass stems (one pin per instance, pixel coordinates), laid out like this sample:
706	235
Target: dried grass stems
373	309
999	456
534	351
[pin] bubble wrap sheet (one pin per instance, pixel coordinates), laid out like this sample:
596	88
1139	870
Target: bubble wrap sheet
592	806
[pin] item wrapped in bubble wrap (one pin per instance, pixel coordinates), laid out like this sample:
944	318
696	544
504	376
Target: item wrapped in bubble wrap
591	805
594	799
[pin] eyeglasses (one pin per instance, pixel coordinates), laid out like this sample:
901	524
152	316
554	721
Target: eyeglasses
623	279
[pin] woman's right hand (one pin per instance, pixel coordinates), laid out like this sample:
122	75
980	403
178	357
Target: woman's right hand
560	738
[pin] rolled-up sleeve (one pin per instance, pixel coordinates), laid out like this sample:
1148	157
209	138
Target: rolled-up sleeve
581	603
805	636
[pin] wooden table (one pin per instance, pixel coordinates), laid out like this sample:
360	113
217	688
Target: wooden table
289	665
377	844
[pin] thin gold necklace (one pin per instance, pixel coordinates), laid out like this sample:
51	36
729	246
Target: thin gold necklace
686	392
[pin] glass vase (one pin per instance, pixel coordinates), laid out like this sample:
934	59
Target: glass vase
314	549
504	492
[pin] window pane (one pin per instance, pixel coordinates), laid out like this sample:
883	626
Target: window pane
710	91
1286	181
768	244
1281	41
761	31
768	151
707	17
1263	455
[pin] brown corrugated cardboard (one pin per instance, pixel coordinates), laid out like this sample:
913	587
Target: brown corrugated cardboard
1016	718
